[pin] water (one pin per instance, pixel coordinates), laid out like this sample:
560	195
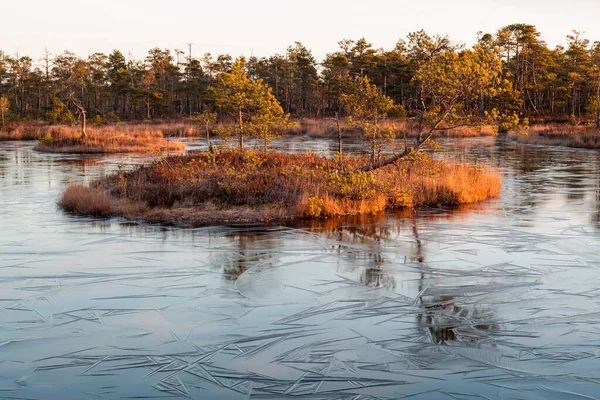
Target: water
495	300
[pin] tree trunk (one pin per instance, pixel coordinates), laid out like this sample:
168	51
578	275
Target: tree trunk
83	123
210	146
148	107
408	150
573	100
339	132
598	112
373	151
241	126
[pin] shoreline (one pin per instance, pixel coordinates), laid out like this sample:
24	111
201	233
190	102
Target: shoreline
291	222
314	128
563	135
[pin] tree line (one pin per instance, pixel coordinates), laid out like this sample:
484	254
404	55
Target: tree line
532	81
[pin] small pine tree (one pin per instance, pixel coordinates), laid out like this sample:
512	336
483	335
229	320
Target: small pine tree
251	103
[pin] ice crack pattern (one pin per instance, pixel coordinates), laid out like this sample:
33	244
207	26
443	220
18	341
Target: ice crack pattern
498	300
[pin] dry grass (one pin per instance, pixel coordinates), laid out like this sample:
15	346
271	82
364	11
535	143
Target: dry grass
252	186
83	200
29	131
577	136
469	131
175	129
35	131
324	128
109	139
327	127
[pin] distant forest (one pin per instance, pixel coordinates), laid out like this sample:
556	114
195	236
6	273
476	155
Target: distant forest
537	82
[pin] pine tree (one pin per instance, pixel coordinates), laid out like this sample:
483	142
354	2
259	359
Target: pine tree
251	103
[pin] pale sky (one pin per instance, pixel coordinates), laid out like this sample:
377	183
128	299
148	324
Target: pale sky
263	27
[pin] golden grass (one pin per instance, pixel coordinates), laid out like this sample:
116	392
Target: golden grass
84	200
109	139
35	131
23	131
576	136
254	186
469	131
174	129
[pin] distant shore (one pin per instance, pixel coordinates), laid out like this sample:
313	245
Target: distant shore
564	135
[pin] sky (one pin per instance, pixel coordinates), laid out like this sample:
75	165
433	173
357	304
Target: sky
263	28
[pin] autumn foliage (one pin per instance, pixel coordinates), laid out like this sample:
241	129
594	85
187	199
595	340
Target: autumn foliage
238	186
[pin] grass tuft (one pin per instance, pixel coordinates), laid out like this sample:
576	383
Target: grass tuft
84	200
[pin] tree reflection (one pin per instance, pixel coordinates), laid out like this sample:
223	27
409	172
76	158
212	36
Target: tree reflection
446	320
249	248
596	214
360	244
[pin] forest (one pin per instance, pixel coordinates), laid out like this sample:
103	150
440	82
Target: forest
536	83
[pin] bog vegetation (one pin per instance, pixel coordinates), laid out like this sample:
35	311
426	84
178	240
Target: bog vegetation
106	140
246	185
236	186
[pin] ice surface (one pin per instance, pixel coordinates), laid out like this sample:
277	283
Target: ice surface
496	300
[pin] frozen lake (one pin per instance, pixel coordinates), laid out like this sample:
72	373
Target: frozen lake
495	300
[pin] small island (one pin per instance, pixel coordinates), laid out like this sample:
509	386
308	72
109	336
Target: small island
255	186
132	139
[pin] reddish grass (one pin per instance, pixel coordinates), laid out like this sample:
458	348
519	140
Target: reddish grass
175	129
254	186
577	136
109	139
35	131
327	127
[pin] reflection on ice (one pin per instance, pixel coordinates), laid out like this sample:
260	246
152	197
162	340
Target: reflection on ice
446	320
497	300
